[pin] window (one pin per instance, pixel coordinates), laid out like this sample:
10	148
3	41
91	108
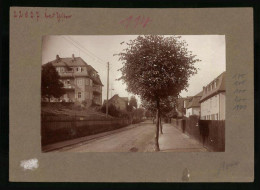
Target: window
79	81
68	81
87	81
87	95
79	69
62	69
90	95
217	117
90	82
79	94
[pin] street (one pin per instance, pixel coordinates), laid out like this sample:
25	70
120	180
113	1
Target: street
138	138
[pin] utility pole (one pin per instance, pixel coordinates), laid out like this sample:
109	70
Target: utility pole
107	88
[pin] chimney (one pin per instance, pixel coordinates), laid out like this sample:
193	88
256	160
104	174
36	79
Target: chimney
57	57
73	58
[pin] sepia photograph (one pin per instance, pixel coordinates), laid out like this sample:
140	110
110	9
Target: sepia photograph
133	93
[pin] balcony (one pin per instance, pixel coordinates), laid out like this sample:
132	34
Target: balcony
69	87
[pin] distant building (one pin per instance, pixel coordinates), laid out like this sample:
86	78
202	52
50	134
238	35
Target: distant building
81	81
119	102
192	105
180	109
213	105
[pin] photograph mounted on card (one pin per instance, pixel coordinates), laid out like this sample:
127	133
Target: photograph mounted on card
97	91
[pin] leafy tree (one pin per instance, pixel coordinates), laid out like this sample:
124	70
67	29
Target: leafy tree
133	102
148	114
156	67
51	85
166	106
138	115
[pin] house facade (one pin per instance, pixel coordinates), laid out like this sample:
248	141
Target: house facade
119	102
192	105
213	100
180	109
81	81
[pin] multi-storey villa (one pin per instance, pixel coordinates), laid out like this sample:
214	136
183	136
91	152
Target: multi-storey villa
81	81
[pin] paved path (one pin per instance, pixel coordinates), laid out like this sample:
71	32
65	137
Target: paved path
173	140
134	138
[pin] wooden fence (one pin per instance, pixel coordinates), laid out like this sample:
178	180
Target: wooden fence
211	133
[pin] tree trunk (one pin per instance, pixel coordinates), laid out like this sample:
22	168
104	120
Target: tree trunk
161	127
157	148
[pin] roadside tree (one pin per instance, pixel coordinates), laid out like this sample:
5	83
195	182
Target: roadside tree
50	82
156	67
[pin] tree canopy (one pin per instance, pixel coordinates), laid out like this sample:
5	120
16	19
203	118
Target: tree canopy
50	82
132	104
156	66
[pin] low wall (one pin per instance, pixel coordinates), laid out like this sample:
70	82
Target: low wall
55	131
211	133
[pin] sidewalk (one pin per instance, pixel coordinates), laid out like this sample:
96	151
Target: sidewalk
173	140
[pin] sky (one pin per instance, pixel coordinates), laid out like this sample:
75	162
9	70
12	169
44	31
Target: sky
97	50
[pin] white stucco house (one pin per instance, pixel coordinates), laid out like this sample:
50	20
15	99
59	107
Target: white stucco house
192	105
213	100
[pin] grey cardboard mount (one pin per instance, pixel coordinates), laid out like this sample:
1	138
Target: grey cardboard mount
236	164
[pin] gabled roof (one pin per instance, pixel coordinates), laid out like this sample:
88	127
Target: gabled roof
71	62
220	87
194	100
75	62
116	96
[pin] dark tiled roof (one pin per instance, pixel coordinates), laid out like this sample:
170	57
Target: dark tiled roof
97	80
70	62
76	62
117	97
194	101
220	87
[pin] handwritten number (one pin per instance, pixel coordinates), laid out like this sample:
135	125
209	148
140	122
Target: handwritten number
240	84
146	22
31	14
37	15
20	14
15	14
